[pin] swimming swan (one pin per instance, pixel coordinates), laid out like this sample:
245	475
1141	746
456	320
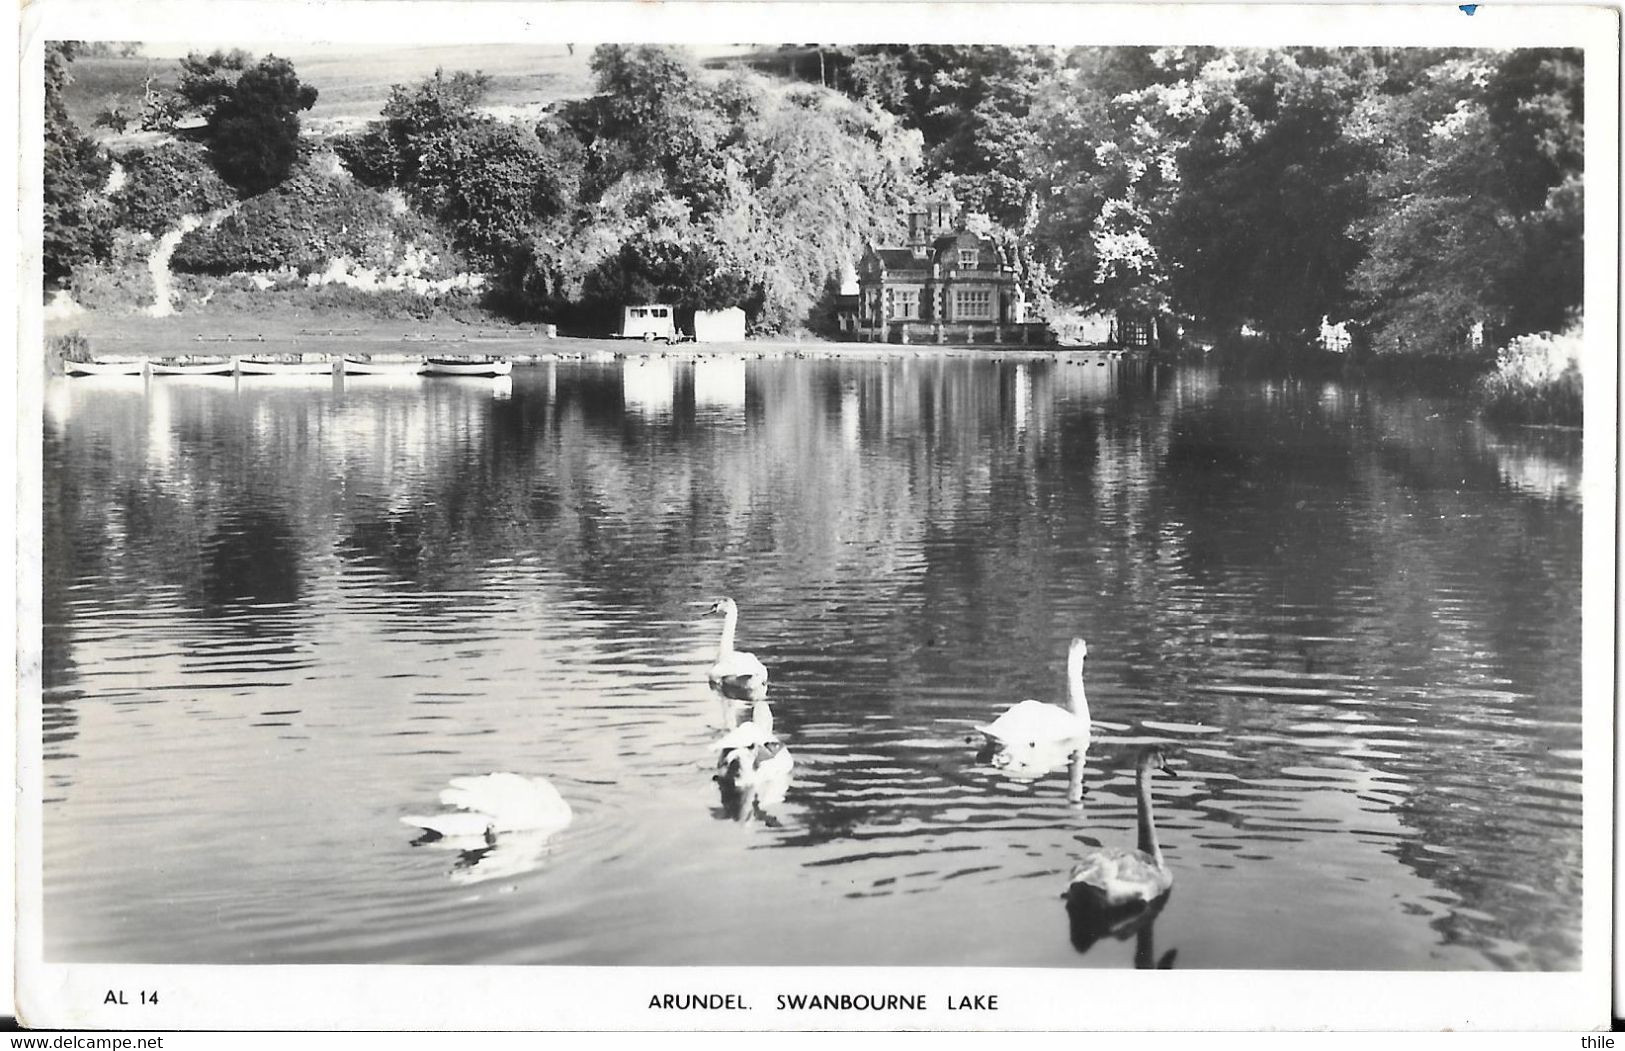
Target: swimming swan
736	674
750	755
1112	877
496	803
1033	727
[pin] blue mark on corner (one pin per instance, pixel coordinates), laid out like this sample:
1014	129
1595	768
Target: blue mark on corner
1468	9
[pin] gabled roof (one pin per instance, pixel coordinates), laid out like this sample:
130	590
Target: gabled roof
961	237
900	259
966	239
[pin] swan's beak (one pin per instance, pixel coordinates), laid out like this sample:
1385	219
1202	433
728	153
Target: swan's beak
1170	771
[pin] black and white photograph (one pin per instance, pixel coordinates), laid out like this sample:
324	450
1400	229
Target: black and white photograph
721	532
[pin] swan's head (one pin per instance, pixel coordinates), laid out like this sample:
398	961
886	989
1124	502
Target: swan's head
1155	757
1077	650
723	606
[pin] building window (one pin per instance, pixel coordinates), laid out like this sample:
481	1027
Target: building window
973	303
907	305
968	257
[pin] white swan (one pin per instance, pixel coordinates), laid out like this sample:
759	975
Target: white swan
736	674
751	756
1115	878
496	803
1031	729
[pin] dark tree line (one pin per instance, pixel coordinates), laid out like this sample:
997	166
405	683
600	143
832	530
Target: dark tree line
1424	193
78	228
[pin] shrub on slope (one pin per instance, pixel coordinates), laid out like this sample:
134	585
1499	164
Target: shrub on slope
308	221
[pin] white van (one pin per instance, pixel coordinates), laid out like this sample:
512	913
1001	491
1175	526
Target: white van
649	322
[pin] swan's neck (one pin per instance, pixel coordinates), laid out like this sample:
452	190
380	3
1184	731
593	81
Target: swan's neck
1148	828
762	716
729	620
1074	687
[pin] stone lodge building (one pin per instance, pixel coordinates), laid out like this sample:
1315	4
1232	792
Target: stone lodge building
947	285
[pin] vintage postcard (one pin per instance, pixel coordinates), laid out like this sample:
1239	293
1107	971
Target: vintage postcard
610	516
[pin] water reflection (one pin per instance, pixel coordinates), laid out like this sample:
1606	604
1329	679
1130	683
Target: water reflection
756	801
754	768
1027	761
250	558
1358	613
1088	921
648	386
719	383
500	858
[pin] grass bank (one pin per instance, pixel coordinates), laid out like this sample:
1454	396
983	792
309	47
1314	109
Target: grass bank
226	334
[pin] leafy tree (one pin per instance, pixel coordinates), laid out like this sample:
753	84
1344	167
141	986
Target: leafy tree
414	119
207	80
1270	187
813	179
1481	196
651	113
877	75
1109	135
253	130
689	275
489	182
77	221
972	104
780	201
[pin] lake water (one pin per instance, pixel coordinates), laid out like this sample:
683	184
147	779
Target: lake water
282	614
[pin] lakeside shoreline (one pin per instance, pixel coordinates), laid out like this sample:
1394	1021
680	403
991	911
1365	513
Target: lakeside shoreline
217	336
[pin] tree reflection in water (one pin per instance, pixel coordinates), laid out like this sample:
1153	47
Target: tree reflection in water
1360	610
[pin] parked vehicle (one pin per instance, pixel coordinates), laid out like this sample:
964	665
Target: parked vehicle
649	322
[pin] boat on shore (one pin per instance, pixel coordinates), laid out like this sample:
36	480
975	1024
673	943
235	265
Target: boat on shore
367	367
282	367
102	368
191	367
468	366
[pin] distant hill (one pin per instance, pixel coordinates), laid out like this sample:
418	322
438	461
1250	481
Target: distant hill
354	82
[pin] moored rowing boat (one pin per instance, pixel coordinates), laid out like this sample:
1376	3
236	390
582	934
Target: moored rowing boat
363	367
282	367
180	367
465	367
102	368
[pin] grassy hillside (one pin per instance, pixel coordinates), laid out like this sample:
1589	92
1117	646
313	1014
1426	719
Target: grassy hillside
322	244
101	82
